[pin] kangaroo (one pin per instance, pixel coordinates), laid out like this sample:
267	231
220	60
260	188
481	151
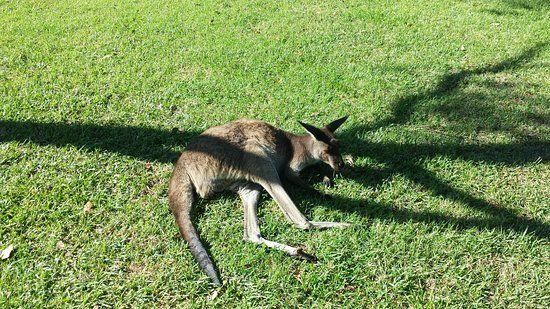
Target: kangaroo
245	156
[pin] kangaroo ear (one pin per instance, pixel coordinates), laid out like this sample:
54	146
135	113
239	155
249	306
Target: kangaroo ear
333	126
315	132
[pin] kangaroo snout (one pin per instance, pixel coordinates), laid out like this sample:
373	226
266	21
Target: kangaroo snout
338	166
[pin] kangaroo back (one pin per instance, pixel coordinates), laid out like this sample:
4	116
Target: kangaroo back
181	196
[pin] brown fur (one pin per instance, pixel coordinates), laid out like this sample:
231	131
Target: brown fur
242	156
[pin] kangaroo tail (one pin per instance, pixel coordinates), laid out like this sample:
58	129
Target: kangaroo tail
181	197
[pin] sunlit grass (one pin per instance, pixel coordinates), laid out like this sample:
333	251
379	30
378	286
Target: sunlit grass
448	137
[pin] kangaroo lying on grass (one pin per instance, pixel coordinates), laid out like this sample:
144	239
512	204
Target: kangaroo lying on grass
245	156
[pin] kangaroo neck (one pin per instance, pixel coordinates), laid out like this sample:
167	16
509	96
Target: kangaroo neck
301	156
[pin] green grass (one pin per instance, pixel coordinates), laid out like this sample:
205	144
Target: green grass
449	134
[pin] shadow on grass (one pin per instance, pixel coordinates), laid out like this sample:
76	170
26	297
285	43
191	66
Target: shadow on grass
138	142
404	107
527	4
402	159
516	7
157	145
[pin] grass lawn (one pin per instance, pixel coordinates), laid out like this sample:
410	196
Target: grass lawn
448	142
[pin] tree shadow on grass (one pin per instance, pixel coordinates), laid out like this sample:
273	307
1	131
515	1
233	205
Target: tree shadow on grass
403	108
143	143
527	4
400	159
515	7
404	163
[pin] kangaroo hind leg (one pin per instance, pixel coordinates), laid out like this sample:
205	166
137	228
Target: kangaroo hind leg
250	195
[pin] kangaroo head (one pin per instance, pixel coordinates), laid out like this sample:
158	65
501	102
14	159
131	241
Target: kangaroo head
324	146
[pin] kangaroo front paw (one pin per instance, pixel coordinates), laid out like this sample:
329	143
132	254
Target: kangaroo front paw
302	255
327	181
